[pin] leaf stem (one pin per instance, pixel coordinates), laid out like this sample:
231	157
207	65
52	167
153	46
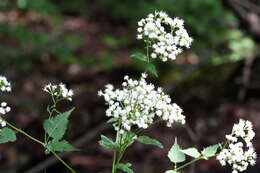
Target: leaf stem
24	133
186	164
63	162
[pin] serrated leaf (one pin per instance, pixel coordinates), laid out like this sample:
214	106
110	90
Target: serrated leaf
152	69
55	127
193	152
63	145
139	56
124	167
171	171
210	151
112	120
106	142
148	140
7	135
175	154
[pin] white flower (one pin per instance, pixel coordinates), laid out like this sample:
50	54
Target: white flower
138	103
235	153
4	84
59	91
166	45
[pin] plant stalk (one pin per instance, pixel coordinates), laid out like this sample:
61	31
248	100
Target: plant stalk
24	133
63	162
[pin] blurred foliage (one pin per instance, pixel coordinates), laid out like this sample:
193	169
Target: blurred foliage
208	22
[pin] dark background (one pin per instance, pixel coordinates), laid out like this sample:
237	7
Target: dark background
86	44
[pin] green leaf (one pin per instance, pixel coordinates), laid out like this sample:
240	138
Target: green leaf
171	171
193	152
55	127
7	135
139	56
128	138
152	69
210	151
148	140
112	120
106	142
125	167
63	145
175	154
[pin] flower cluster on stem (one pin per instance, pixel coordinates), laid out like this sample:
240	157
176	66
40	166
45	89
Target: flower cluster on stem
166	36
59	91
239	152
138	104
5	86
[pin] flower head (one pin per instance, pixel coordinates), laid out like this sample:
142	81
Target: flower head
5	86
59	91
138	103
240	151
166	36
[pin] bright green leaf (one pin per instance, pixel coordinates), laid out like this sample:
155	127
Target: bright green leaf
140	56
7	135
148	140
152	69
175	154
210	151
125	167
63	145
55	127
193	152
112	120
171	171
106	142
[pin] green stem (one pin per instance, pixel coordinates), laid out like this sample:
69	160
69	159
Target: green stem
115	154
63	162
186	164
40	142
24	133
114	162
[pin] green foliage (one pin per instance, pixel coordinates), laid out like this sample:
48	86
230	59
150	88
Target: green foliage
112	120
139	56
152	69
55	145
193	152
107	143
55	127
125	167
175	154
210	151
7	135
171	171
147	65
148	140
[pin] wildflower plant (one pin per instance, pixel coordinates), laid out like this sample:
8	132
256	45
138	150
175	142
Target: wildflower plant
139	104
55	126
136	106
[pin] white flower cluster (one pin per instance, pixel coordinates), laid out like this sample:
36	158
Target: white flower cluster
239	140
5	86
165	35
138	103
60	91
